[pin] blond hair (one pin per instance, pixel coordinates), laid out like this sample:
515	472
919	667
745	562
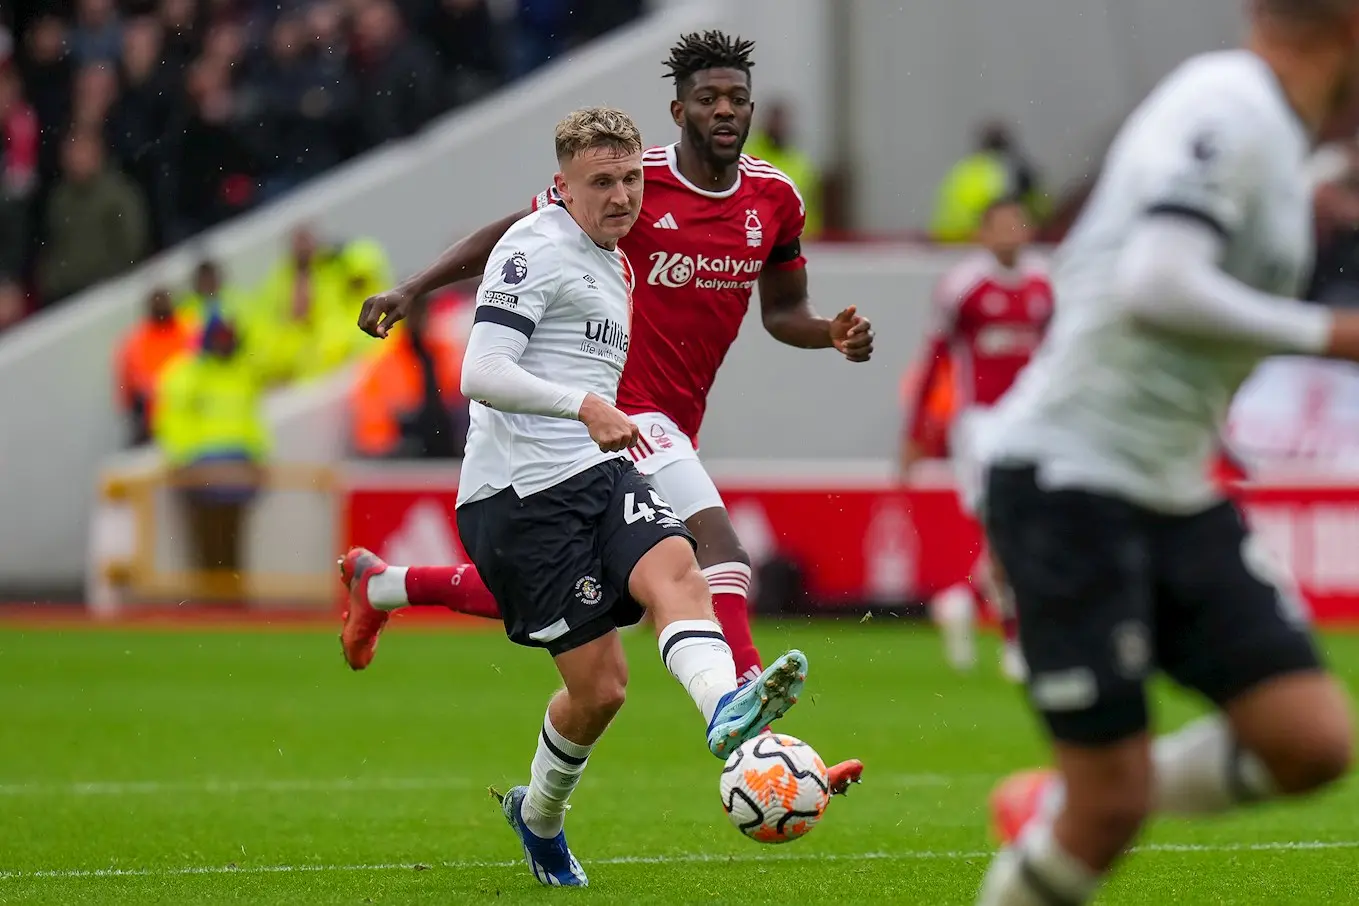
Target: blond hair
597	127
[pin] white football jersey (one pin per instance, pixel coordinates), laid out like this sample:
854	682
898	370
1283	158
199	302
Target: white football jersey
1107	404
573	300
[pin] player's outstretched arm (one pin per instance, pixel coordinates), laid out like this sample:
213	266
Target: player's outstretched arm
463	260
787	313
1169	278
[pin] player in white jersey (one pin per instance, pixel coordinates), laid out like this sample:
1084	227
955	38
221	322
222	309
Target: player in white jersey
571	540
1181	274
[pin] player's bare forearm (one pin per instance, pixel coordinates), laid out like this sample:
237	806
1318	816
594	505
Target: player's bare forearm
463	260
787	312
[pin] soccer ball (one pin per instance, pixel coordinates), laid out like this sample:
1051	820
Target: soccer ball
774	788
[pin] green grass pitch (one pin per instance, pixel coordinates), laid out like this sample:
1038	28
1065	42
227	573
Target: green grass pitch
153	767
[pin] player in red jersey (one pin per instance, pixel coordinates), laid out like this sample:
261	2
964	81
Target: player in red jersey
991	310
715	223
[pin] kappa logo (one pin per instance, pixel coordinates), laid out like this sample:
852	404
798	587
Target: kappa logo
589	591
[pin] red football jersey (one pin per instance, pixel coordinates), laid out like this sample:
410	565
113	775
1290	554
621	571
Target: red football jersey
989	321
701	253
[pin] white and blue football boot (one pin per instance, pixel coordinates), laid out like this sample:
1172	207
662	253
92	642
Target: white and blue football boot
550	860
743	713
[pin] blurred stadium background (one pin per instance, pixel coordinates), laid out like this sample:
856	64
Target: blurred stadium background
252	169
171	164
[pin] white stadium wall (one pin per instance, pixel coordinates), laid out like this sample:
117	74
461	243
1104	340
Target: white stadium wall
922	75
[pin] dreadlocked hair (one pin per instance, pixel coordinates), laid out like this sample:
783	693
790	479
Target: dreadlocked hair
710	50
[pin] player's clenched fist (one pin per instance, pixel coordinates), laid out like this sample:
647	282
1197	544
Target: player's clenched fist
609	427
381	312
852	335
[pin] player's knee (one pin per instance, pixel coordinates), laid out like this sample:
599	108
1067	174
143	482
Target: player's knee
1109	795
716	538
603	696
608	698
1301	728
668	579
1316	756
1111	813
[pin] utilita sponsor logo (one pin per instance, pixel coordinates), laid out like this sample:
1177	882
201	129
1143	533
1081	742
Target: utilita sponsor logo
674	270
605	338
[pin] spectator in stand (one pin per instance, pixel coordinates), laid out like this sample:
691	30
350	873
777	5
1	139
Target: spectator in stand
18	173
181	41
212	106
465	38
211	165
774	143
143	355
302	318
96	222
208	296
47	74
400	84
97	36
142	114
94	95
407	402
306	103
209	422
541	33
995	169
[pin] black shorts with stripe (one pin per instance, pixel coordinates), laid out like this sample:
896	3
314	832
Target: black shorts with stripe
1107	593
558	561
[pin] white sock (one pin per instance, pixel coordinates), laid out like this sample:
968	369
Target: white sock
696	653
387	590
1037	872
1200	769
557	766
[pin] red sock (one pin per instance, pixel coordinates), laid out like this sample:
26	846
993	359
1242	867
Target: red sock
456	587
729	584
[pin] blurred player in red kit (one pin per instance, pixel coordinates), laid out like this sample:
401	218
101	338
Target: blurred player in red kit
715	223
990	310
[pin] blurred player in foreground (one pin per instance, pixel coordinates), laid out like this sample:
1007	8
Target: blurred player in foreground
714	224
1123	556
548	499
990	313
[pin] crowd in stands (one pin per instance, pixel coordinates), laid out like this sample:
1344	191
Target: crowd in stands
129	125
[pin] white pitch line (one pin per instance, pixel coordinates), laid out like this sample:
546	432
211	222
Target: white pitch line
355	784
300	785
676	859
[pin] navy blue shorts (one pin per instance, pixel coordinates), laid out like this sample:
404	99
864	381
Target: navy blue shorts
558	561
1108	593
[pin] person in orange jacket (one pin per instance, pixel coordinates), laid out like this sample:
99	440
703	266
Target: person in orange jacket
407	402
142	355
940	408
